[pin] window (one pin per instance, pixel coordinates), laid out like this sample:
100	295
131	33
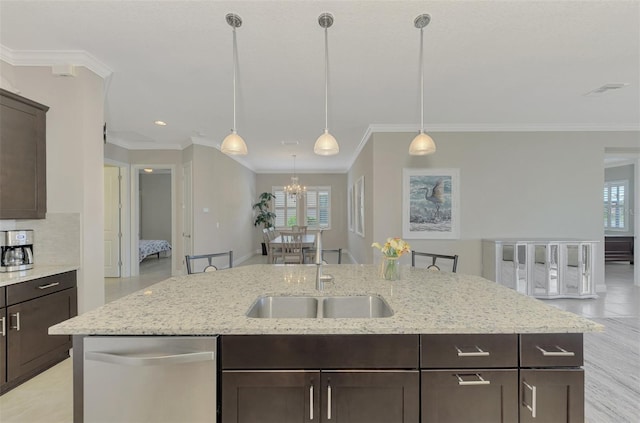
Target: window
313	210
615	205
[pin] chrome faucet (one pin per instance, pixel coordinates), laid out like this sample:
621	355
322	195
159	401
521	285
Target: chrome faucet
320	278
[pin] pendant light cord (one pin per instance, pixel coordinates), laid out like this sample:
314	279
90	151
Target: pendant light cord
421	81
235	59
326	79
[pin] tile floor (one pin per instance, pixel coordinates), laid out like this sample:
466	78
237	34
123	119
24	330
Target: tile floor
47	398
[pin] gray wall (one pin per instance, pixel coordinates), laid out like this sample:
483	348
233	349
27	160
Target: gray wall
618	173
538	184
155	206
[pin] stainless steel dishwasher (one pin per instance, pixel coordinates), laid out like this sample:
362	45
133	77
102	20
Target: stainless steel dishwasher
150	379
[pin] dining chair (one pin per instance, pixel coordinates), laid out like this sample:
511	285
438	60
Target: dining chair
291	252
434	257
338	251
209	266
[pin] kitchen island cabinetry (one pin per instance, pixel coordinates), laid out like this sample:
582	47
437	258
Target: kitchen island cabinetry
479	371
23	165
32	307
281	368
343	378
551	378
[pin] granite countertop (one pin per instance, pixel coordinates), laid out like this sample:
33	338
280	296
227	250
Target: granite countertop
38	271
423	302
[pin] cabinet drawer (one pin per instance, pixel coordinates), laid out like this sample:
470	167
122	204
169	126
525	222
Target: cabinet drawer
319	351
469	351
551	350
35	288
2	297
469	395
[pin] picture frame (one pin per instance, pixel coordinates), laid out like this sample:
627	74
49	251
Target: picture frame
431	203
359	206
350	209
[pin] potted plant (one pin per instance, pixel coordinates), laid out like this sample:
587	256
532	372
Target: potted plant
264	216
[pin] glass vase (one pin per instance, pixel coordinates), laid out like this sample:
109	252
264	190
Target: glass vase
390	268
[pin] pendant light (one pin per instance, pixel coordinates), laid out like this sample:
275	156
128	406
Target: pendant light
326	144
233	143
422	144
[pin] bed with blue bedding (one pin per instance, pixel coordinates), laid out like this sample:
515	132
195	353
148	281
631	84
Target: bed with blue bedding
148	247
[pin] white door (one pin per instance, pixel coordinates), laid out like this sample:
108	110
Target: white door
187	209
111	222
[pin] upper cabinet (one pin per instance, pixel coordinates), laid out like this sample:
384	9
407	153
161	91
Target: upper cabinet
23	161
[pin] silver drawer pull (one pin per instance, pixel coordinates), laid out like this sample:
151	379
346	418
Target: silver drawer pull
4	326
311	402
480	381
328	402
531	407
49	285
477	353
560	353
17	316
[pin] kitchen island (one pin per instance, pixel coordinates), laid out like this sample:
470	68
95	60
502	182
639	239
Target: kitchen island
495	334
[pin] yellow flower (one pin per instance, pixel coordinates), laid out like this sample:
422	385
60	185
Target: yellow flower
394	247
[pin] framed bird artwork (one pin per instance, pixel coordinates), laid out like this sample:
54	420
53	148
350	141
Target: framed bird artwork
431	203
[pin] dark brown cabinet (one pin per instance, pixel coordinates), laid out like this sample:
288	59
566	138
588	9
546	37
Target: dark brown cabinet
32	307
469	378
23	165
299	379
470	396
320	396
551	378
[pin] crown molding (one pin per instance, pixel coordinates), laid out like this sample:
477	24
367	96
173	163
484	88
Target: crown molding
136	145
54	57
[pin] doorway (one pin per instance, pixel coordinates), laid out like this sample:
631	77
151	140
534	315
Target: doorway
622	171
153	219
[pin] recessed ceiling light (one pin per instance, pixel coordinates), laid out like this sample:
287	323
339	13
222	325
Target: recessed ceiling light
148	170
160	123
608	87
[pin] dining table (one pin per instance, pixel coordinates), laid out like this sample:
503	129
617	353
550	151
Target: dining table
307	241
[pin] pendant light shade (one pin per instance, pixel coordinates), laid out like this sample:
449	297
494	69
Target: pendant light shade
422	144
326	144
233	143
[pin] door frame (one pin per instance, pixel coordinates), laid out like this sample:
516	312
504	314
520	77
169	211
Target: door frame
125	216
135	214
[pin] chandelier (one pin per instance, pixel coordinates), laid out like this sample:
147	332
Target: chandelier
294	189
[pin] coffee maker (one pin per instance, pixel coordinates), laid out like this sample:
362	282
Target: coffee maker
16	250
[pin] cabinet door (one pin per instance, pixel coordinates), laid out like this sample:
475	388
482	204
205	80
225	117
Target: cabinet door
23	188
30	347
370	397
552	396
469	396
270	396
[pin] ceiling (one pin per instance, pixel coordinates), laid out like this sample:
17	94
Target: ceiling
489	65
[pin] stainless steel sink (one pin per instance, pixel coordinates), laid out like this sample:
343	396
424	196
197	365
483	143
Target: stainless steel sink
361	306
284	307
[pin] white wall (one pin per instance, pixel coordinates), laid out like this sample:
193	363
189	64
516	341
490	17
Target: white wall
155	206
74	160
542	184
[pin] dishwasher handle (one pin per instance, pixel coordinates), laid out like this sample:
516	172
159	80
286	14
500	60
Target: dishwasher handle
157	360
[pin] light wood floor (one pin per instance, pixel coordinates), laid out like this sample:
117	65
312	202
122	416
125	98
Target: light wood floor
47	398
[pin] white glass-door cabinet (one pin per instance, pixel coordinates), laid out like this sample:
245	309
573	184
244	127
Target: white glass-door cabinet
542	268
